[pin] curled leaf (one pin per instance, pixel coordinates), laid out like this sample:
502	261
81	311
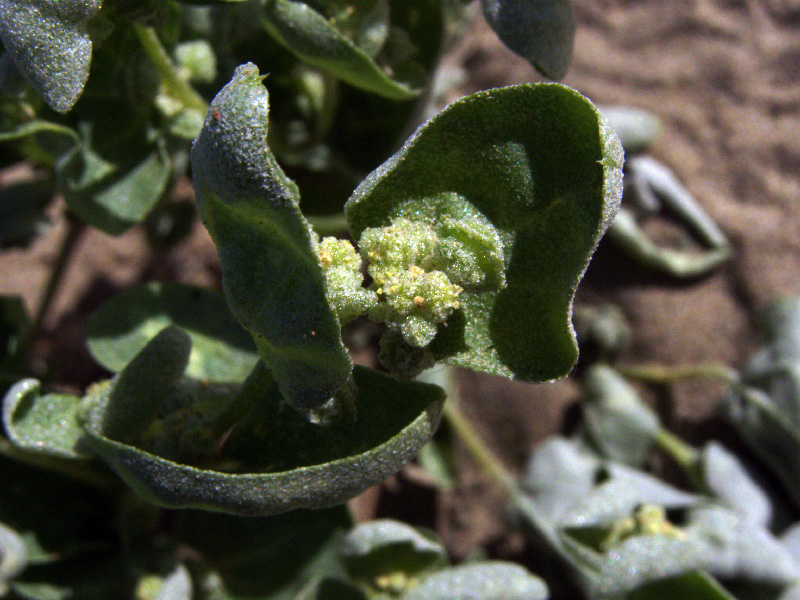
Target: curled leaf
45	423
525	177
50	45
131	400
273	280
297	464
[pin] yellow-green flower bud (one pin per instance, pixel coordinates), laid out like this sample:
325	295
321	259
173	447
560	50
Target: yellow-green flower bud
342	267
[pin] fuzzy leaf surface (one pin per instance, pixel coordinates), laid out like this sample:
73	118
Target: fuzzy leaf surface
50	45
541	167
289	463
491	580
45	423
273	281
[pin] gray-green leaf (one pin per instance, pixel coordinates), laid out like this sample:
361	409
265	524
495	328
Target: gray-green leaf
13	556
621	425
45	423
317	41
110	196
221	350
542	31
383	547
492	580
50	45
394	419
272	277
538	167
728	480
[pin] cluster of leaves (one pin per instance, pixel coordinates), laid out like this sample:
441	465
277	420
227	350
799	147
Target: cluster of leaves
621	532
651	188
57	543
460	242
474	235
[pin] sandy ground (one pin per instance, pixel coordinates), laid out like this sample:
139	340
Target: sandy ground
724	77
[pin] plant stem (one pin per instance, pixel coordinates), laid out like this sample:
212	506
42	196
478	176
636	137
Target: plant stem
74	230
665	374
684	455
177	86
328	225
538	525
477	448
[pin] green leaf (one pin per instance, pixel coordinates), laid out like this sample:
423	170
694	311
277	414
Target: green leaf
271	273
620	424
542	31
629	235
43	423
22	216
492	580
618	496
316	40
384	548
292	463
13	556
221	350
642	560
112	196
772	436
125	407
558	476
534	167
49	42
637	129
733	548
727	479
766	410
269	558
696	585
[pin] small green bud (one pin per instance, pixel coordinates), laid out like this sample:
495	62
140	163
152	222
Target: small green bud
414	297
342	267
649	519
415	301
398	246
